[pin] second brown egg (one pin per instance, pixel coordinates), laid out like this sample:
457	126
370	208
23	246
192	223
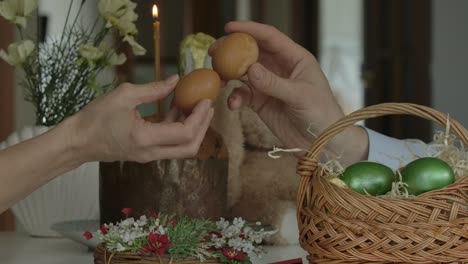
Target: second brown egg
196	86
233	55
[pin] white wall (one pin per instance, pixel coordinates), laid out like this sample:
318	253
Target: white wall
56	10
340	46
341	52
450	58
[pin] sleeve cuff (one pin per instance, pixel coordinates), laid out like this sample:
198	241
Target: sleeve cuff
393	152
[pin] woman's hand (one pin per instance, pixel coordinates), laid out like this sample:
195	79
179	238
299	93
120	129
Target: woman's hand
290	93
108	129
111	128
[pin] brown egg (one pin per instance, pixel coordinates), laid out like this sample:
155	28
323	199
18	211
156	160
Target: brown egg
196	86
233	55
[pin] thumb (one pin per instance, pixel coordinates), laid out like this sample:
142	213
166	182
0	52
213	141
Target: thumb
268	83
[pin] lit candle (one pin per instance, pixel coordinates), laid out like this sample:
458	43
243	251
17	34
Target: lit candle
157	59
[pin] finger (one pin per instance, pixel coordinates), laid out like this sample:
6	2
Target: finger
174	133
268	38
150	92
195	119
171	116
185	150
268	83
181	117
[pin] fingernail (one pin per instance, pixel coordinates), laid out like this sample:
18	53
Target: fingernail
257	72
174	78
208	101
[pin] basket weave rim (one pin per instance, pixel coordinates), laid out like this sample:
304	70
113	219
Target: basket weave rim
382	110
102	254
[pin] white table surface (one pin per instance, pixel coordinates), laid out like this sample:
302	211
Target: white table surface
19	248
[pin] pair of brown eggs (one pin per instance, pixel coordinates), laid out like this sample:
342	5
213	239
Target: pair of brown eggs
231	58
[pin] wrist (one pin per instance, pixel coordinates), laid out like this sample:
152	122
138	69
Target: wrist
75	142
351	145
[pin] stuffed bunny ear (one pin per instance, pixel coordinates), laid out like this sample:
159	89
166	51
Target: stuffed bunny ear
189	61
207	63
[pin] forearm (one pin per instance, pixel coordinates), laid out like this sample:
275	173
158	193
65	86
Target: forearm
26	166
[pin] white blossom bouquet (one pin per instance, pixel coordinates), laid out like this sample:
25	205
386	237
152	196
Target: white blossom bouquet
61	73
181	238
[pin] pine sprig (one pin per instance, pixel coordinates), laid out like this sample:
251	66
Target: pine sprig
186	237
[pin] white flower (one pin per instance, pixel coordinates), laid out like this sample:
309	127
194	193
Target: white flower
127	222
16	11
126	237
248	248
222	224
137	48
120	248
142	221
90	52
236	243
161	230
119	14
18	52
238	222
218	242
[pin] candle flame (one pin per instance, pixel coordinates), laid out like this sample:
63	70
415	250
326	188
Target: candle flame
155	11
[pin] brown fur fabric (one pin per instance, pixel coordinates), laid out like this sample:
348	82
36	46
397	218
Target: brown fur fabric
269	188
259	188
256	133
227	124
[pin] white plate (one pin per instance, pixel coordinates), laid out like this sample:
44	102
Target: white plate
74	230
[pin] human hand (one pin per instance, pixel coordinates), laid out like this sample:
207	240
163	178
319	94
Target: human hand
289	92
110	128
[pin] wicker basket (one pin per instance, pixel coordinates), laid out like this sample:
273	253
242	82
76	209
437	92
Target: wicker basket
102	256
341	226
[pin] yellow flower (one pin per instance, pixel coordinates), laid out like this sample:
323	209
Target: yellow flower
116	59
93	54
90	52
119	14
137	48
18	52
16	11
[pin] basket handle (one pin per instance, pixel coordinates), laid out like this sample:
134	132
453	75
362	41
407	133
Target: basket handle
386	109
309	162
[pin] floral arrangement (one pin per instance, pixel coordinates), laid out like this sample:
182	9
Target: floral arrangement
61	73
162	234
